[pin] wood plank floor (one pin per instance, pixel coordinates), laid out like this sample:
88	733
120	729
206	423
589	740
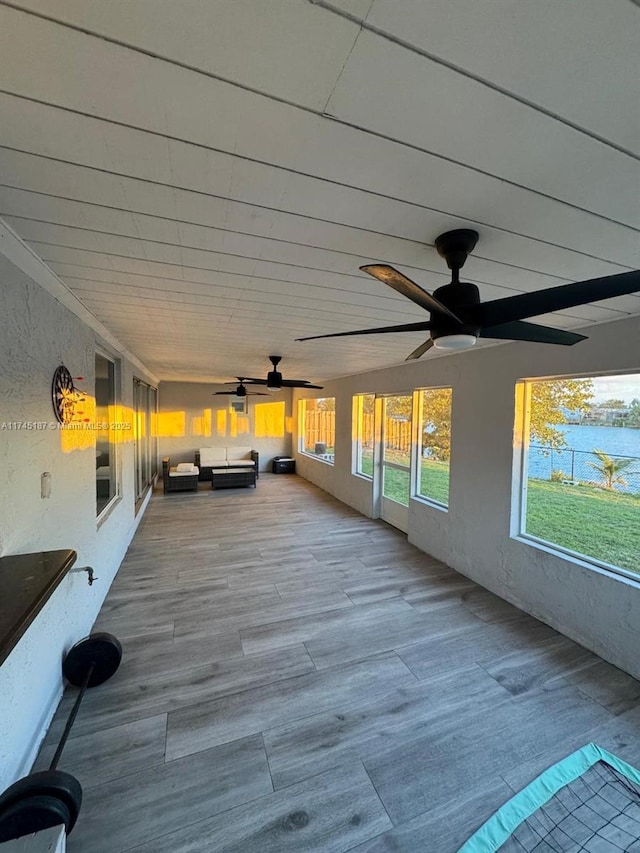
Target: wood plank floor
297	677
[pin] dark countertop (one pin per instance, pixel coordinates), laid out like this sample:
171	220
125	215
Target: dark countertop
26	584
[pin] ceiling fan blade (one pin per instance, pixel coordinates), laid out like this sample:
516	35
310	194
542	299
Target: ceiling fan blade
402	284
526	305
420	350
247	381
407	327
519	331
298	383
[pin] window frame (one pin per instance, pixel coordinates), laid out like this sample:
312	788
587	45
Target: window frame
302	413
418	431
145	452
520	483
114	435
356	432
239	405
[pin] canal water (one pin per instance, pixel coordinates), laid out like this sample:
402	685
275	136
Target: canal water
573	460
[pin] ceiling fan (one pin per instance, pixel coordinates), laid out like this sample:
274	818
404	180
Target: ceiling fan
274	380
240	391
459	318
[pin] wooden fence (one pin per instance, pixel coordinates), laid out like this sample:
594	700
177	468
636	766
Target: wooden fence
320	426
397	435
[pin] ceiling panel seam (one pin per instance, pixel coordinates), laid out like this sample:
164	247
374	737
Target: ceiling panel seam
314	269
352	187
323	117
183	266
464	72
249	234
221	251
288	308
160	296
363	24
222	228
323	288
249	318
284	307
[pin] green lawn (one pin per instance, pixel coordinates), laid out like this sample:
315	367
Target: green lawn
594	522
434	480
591	521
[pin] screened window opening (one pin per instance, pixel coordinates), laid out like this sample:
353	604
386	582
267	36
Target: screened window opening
581	467
318	428
364	413
145	435
432	480
106	433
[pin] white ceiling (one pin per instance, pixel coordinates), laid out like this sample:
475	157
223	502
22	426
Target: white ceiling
207	175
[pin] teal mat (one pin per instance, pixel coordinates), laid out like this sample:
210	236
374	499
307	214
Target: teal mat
590	801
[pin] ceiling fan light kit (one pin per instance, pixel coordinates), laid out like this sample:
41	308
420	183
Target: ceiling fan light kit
455	342
458	317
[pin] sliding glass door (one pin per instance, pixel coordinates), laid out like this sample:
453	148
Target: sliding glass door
145	446
395	468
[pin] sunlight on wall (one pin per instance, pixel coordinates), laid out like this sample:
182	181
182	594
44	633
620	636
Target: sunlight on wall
227	423
80	434
269	420
238	424
114	424
171	424
201	424
139	425
221	422
521	420
206	422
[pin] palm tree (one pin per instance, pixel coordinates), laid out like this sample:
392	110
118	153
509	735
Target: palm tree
609	469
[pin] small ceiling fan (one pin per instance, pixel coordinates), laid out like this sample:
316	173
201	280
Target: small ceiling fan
240	391
274	380
458	317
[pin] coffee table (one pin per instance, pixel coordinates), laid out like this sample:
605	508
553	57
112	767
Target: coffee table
232	478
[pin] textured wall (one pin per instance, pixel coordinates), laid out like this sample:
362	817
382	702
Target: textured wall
597	609
47	841
37	333
190	416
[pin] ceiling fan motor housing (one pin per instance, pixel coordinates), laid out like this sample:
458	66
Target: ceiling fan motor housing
274	380
457	296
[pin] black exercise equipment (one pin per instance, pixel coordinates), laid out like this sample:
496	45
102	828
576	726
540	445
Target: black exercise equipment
52	797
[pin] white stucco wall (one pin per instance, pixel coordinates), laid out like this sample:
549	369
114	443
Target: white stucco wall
597	609
51	840
37	333
191	410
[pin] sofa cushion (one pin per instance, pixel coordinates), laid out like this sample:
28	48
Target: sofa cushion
235	453
186	468
242	463
210	456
